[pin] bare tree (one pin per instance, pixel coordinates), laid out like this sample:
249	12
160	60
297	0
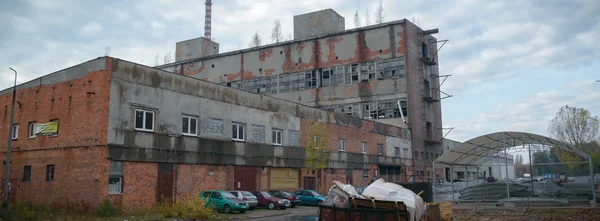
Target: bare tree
276	35
156	60
255	40
379	15
367	16
575	126
167	58
356	20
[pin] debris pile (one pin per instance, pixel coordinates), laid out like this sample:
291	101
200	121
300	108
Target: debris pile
340	195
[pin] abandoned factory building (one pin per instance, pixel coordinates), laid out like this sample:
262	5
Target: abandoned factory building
368	72
237	120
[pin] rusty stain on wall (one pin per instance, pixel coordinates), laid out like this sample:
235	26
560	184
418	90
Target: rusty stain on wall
265	53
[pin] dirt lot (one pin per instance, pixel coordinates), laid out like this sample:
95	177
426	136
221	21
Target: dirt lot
529	215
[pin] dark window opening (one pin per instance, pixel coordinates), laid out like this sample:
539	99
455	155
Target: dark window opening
426	88
50	172
26	173
429	130
424	49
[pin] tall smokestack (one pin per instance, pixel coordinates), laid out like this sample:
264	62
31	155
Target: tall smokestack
207	19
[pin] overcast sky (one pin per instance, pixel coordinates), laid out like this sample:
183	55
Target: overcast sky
513	63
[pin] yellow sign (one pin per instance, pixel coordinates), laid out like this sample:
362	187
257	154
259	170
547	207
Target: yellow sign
47	128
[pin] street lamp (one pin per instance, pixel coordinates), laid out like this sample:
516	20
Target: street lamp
4	209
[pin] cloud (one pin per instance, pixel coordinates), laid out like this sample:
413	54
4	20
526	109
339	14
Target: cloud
91	28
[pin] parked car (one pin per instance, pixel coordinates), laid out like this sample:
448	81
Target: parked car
223	201
294	200
266	200
246	196
309	197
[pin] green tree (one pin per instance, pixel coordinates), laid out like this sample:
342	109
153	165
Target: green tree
577	127
317	152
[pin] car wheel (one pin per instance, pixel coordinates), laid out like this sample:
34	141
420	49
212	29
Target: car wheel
242	211
251	208
320	202
283	208
293	206
271	205
227	209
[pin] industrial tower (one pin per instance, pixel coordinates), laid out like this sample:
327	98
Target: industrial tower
207	19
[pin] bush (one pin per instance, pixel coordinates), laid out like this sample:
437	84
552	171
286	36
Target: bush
106	209
189	207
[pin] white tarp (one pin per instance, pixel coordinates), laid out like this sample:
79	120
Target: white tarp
381	190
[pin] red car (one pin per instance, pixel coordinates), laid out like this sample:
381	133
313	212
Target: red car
266	200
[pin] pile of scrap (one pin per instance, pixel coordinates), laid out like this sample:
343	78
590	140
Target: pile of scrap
493	191
378	195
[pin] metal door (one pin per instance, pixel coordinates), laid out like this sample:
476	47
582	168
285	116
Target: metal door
245	178
310	183
165	182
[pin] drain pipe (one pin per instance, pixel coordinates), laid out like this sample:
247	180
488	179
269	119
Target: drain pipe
401	112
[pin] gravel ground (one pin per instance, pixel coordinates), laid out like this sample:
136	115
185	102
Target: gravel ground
530	215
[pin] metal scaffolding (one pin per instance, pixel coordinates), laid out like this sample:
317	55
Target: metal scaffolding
479	150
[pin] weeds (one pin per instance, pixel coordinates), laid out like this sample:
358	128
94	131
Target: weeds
189	207
106	209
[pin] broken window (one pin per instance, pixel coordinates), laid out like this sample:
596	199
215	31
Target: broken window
416	155
310	77
397	152
325	77
367	71
429	131
354	72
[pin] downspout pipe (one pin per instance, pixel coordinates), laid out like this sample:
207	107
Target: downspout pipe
4	209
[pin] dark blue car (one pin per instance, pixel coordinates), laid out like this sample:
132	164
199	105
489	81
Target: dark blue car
309	197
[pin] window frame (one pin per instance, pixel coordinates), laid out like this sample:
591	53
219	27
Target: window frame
15	132
397	152
32	128
50	171
189	125
363	147
341	145
120	185
380	149
274	133
144	119
238	133
26	173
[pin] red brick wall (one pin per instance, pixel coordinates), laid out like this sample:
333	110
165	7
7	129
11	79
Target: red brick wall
80	177
353	137
78	152
80	105
201	180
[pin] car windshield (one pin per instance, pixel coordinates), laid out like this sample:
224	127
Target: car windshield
247	194
285	194
266	194
227	195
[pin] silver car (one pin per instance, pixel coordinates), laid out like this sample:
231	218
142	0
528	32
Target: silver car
246	196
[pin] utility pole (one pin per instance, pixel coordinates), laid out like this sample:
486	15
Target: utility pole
4	209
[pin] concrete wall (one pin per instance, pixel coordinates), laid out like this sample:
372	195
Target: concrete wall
195	48
358	45
318	23
135	86
448	144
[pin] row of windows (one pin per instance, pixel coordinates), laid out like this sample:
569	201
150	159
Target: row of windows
325	77
372	110
31	130
363	149
426	156
49	173
145	120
